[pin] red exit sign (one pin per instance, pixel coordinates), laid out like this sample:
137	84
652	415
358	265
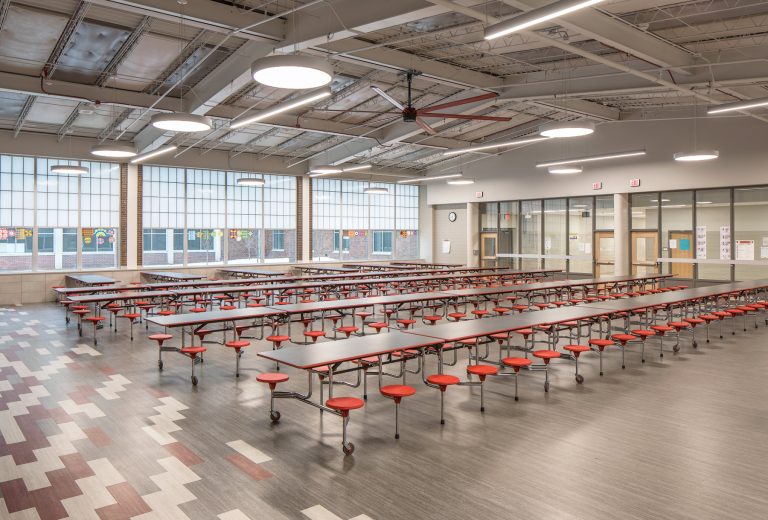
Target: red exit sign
597	185
634	183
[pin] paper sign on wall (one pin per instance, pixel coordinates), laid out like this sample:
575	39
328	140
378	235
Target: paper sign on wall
725	242
764	252
446	246
673	243
701	242
685	244
745	250
547	243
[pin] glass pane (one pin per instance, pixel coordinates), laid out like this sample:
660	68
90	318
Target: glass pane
580	234
713	211
604	213
507	243
645	207
750	230
531	233
555	234
677	240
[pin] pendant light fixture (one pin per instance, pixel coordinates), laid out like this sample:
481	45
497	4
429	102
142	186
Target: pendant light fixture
181	121
292	71
114	150
696	155
567	129
376	190
572	162
435	178
505	144
256	182
66	169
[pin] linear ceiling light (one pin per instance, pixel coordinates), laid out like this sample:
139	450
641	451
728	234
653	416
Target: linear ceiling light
567	129
460	182
565	169
66	169
738	106
514	142
292	71
698	155
435	178
537	16
181	122
355	167
593	158
282	107
154	153
114	150
330	169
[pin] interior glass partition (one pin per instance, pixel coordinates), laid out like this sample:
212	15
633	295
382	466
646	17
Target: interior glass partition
580	226
713	218
508	243
555	232
677	234
750	235
530	230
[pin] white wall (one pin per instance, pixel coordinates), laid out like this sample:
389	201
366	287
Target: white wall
456	232
513	175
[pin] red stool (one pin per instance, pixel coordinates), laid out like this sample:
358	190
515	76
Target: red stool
238	346
347	329
479	313
456	316
576	350
314	334
343	405
160	338
693	322
546	356
600	344
679	326
406	323
516	363
482	371
442	381
272	380
660	331
623	339
378	326
132	317
396	393
202	333
193	352
708	318
80	313
431	320
643	334
525	333
277	341
95	320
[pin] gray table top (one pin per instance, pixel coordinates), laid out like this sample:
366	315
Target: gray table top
172	275
91	279
201	318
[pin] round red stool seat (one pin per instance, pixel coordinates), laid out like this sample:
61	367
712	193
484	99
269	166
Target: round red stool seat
237	345
344	404
482	370
160	337
679	325
516	362
442	380
314	334
378	326
694	321
601	343
95	319
192	351
457	315
642	333
347	330
130	316
623	338
405	322
81	312
709	317
397	392
501	310
406	353
272	379
576	349
227	307
479	312
165	313
546	355
433	319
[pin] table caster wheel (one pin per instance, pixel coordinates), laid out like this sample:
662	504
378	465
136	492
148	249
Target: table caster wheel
546	387
695	344
676	348
194	380
160	365
579	378
348	448
274	416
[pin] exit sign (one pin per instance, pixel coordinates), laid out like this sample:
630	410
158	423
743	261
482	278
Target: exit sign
597	185
634	183
478	194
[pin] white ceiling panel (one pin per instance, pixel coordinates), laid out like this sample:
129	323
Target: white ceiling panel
51	111
27	39
148	59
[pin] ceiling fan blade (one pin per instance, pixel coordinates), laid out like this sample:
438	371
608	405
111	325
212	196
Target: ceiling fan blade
464	116
388	97
428	129
459	102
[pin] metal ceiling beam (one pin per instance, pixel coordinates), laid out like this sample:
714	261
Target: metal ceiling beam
4	5
618	34
583	107
125	48
23	115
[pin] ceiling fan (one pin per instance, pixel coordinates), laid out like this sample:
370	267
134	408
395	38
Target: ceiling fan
412	114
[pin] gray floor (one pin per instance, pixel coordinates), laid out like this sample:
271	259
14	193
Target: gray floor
682	438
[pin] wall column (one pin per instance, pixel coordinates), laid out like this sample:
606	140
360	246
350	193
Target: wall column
621	233
426	225
132	218
473	234
304	249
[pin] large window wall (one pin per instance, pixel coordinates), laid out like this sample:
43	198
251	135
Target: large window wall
556	233
348	224
710	235
202	217
51	221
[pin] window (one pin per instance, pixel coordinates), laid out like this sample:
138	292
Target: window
348	223
555	232
530	225
382	242
278	240
713	214
208	218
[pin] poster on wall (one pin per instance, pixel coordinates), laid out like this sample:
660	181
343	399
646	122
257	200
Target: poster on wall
725	242
701	242
745	250
446	247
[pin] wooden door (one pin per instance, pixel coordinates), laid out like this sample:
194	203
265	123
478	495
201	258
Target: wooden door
605	258
645	251
683	248
488	249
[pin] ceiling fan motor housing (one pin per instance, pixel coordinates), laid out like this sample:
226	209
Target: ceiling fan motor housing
409	114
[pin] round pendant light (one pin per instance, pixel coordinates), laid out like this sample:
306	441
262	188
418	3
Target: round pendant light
181	122
376	191
114	150
460	182
251	182
566	169
567	129
699	155
292	71
66	169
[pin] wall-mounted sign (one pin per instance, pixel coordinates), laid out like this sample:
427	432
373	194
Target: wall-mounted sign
725	242
701	242
597	185
634	183
478	194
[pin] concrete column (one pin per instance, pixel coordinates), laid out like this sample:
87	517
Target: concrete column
621	233
473	234
426	226
304	250
132	218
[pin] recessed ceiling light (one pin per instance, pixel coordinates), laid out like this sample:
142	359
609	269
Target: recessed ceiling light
699	155
567	129
565	169
114	150
66	169
181	122
292	71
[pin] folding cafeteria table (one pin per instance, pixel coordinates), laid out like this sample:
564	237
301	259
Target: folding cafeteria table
89	280
171	276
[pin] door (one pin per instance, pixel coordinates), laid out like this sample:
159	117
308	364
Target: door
604	254
645	251
683	248
488	249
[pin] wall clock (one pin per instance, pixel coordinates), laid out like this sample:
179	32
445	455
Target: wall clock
452	216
